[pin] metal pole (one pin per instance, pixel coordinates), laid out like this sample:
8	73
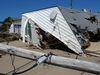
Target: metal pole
71	4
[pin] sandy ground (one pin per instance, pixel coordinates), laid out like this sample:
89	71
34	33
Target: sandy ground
6	64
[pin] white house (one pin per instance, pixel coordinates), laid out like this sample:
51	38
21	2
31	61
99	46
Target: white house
67	25
15	28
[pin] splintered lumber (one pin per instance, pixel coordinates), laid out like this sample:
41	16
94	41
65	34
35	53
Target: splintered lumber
55	60
94	52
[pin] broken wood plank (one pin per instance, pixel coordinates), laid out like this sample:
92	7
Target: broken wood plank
55	60
94	52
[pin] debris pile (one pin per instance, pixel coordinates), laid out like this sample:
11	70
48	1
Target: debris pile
7	37
47	40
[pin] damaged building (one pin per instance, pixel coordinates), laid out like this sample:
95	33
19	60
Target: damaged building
55	26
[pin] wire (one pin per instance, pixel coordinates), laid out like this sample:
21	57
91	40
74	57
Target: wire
14	72
13	59
9	73
77	56
82	73
25	70
40	60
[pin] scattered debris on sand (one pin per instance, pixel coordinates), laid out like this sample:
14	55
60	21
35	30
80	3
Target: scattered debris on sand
7	37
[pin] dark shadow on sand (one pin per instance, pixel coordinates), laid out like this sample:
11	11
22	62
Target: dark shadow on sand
2	74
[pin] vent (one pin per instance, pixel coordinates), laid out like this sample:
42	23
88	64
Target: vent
85	10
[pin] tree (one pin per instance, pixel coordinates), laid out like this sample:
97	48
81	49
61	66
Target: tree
6	24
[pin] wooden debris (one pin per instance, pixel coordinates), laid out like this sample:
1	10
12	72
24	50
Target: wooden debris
87	51
7	37
93	53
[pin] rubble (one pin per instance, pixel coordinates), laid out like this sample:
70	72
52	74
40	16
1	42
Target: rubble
7	37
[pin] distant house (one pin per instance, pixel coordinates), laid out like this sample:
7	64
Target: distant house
15	27
67	25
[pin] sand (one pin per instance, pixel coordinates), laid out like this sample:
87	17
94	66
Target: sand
6	64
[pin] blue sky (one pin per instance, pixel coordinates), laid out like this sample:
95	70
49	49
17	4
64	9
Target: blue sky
15	8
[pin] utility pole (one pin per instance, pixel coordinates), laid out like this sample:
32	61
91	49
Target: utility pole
71	1
55	60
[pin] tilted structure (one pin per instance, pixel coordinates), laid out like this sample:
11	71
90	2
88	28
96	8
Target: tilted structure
69	26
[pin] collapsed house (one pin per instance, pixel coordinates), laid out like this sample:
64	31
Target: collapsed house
59	25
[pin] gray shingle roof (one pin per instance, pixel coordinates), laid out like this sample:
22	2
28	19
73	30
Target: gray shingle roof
79	18
98	16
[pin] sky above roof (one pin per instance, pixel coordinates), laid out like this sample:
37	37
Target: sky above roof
15	8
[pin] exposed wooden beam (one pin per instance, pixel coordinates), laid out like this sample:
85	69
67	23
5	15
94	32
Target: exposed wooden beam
55	60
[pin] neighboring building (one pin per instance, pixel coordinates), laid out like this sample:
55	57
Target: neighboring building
15	27
67	25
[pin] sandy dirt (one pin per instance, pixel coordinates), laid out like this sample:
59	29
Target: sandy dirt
6	64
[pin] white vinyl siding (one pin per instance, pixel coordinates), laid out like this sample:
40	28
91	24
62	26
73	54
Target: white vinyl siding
62	30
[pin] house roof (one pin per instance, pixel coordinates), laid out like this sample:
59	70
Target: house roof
79	18
16	23
97	16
